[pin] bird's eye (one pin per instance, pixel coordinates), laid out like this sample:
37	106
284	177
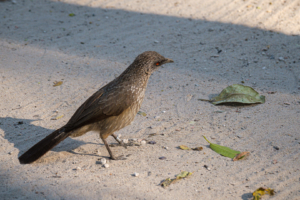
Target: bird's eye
157	64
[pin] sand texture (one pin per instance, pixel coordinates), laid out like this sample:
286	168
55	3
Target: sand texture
214	44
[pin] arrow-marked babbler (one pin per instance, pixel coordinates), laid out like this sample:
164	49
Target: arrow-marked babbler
110	109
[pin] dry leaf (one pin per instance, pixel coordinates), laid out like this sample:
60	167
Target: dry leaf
168	181
57	83
183	147
197	148
142	113
57	117
241	156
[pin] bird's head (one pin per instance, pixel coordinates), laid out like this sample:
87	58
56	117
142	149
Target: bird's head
149	61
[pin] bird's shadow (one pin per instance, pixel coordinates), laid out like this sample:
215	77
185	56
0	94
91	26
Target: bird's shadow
23	134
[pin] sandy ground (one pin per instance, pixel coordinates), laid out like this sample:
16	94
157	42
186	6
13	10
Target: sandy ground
213	43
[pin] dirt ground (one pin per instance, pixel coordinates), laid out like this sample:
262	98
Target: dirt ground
214	44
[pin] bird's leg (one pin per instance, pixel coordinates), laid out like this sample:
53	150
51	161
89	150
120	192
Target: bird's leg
116	138
110	152
119	141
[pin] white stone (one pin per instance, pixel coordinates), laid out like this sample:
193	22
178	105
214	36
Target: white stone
103	161
136	174
106	165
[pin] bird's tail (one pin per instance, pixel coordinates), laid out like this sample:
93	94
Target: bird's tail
42	147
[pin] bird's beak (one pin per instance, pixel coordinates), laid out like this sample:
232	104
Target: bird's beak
168	60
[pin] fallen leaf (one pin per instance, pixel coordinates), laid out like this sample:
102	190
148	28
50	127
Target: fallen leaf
71	15
168	181
224	151
183	147
197	148
241	156
142	113
57	117
257	194
237	93
57	83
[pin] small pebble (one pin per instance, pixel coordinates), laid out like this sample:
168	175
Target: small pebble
206	166
78	168
149	173
162	158
143	142
281	58
106	165
275	147
103	161
136	174
125	141
151	142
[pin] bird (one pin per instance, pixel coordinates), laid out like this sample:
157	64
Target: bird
108	110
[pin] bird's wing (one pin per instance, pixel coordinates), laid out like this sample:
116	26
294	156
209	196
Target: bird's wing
101	105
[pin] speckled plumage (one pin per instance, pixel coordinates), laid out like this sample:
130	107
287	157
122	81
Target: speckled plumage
110	109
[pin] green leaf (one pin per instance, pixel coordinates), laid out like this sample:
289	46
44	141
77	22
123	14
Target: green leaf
71	15
168	181
238	94
257	194
142	113
224	151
